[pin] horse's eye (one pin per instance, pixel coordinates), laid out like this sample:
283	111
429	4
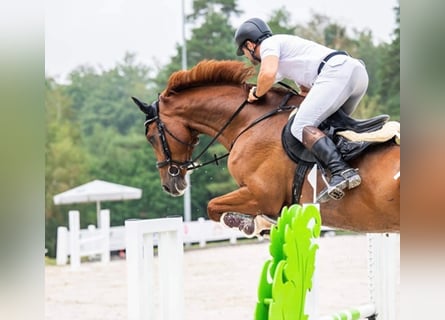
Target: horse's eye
195	141
151	139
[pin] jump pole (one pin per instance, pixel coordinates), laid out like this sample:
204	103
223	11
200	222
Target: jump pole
140	244
382	274
383	252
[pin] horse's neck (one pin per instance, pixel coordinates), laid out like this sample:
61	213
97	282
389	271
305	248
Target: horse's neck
209	115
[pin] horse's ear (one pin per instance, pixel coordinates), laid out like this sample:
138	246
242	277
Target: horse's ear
145	108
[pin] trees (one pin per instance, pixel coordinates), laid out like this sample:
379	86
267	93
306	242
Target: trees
389	73
65	156
211	37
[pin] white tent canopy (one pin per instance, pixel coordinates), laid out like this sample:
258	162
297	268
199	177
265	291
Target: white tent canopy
97	191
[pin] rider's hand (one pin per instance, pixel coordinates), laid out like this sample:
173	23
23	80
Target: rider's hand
304	91
252	95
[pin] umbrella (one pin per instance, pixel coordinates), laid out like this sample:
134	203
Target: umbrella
97	191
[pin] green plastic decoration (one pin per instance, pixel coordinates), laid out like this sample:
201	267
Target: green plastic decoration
287	277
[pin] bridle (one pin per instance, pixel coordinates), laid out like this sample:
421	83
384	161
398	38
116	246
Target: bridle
174	166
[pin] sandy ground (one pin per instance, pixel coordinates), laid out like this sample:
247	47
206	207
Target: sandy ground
220	283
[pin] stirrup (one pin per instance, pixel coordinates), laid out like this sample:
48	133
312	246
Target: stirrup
330	192
351	180
352	177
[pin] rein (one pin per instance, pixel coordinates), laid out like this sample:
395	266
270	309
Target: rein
193	164
282	107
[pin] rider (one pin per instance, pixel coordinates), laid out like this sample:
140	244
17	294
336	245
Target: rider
329	79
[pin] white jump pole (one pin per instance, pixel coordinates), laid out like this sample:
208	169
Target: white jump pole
383	253
140	268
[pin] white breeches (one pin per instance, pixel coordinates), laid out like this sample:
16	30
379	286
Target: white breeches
342	83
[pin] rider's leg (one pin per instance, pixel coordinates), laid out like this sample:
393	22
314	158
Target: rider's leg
342	175
342	83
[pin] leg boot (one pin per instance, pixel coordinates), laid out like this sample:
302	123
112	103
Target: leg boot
342	175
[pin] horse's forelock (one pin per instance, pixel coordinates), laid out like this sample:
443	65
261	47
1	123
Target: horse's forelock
210	72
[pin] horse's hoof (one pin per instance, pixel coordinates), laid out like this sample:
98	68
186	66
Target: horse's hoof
233	220
247	227
242	222
258	226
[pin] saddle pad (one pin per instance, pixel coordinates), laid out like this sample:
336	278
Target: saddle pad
388	131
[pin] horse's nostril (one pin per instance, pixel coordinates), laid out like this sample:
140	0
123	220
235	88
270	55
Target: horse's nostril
165	188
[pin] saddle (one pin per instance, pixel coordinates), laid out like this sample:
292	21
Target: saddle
352	137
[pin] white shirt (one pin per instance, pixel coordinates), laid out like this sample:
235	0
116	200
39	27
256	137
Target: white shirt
299	58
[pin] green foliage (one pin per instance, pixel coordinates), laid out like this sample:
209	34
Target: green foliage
202	8
287	277
315	29
94	131
280	22
368	108
389	74
212	40
212	37
66	159
89	90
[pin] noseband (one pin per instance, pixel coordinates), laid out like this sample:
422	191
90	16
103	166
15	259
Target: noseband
174	166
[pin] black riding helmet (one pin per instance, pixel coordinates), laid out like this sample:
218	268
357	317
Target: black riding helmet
255	30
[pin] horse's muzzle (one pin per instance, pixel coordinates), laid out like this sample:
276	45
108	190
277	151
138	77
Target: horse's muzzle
175	186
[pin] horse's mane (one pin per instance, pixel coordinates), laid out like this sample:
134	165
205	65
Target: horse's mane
209	72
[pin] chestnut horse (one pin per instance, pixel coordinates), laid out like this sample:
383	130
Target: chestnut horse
210	99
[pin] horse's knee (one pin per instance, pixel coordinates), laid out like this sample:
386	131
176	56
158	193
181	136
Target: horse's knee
212	213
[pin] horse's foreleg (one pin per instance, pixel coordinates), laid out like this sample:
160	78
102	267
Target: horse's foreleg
240	200
239	209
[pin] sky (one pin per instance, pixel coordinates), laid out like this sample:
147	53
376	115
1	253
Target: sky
98	33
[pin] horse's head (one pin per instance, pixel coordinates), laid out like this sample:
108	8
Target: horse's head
173	143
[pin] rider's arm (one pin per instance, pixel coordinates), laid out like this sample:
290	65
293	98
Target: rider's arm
266	77
267	74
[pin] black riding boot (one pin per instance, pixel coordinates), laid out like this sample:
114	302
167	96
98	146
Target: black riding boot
342	175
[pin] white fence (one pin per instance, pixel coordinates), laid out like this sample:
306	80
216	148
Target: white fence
77	243
140	241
